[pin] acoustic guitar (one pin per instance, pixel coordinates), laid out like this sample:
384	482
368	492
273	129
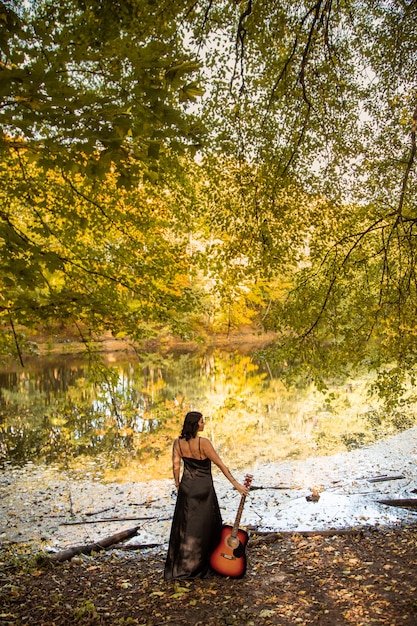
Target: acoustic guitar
229	558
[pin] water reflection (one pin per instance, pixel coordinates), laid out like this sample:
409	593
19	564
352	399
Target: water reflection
119	418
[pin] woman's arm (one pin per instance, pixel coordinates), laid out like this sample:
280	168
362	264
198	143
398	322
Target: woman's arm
211	453
176	463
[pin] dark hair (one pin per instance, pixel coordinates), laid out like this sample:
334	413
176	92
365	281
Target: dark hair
190	426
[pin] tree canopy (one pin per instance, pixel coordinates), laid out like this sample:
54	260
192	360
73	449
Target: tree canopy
181	164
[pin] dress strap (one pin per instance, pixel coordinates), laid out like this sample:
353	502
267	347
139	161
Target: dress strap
199	449
179	445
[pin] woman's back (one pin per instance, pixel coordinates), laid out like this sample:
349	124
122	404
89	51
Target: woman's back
191	449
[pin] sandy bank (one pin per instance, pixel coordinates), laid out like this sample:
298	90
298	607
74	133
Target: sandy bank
44	506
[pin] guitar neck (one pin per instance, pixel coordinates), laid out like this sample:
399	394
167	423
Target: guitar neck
238	516
248	480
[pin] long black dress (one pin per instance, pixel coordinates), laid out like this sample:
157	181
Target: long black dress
196	525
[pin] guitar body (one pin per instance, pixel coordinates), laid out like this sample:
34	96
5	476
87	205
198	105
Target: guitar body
229	558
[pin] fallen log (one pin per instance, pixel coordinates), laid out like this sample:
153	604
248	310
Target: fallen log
281	487
103	520
110	508
146	503
408	503
380	479
98	546
272	537
137	546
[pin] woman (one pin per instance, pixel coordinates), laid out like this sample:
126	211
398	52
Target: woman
197	523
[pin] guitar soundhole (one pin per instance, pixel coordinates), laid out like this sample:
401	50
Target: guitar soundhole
232	542
239	551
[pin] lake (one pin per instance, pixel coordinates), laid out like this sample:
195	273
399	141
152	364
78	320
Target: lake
115	420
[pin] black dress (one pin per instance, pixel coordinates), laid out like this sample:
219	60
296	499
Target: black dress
196	525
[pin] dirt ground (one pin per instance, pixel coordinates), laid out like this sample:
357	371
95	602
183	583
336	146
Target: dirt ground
359	578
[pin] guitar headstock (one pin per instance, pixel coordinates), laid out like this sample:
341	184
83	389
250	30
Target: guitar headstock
248	480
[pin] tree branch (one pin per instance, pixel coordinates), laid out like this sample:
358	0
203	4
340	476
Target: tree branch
359	237
410	163
16	340
240	46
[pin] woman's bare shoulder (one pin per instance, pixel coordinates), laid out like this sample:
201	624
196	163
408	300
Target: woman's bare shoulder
206	443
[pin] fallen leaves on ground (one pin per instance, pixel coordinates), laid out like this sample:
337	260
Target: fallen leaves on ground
361	579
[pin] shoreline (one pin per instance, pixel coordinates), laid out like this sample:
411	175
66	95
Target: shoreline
69	343
49	510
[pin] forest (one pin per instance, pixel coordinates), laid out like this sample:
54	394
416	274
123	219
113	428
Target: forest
192	167
189	169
